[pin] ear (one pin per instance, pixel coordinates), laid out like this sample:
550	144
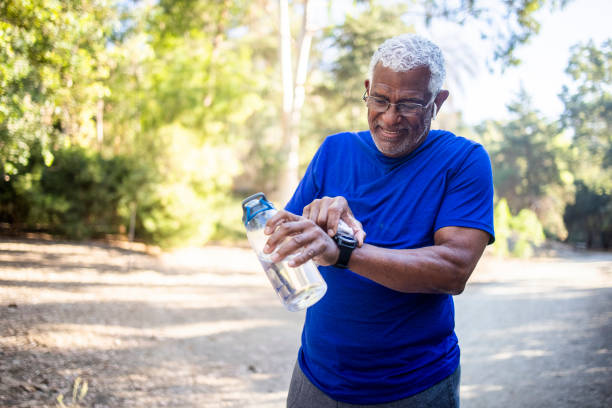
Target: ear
367	85
439	101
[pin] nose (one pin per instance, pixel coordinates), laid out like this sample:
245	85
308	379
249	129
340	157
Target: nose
391	116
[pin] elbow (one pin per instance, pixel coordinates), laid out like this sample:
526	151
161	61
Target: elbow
459	271
458	281
456	289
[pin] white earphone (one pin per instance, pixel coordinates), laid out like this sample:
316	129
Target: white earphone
435	111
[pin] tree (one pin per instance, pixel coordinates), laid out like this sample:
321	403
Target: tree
507	24
588	116
186	95
293	91
183	89
163	82
53	64
588	112
529	168
589	217
339	89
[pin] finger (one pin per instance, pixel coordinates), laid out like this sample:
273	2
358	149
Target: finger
277	219
357	228
295	244
360	237
321	220
306	211
282	231
338	208
315	249
311	211
333	218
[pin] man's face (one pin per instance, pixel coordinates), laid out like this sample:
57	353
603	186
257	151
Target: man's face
395	135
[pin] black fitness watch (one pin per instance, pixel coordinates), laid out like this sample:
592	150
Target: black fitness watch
346	245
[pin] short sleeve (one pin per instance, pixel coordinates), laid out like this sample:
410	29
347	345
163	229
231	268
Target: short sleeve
307	190
468	199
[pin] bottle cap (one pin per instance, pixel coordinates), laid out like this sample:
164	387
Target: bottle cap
253	205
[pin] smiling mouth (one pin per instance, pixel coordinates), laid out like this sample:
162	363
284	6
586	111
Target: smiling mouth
389	133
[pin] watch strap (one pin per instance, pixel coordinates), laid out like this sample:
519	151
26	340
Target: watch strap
346	245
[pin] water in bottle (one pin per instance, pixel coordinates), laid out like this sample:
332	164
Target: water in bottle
297	287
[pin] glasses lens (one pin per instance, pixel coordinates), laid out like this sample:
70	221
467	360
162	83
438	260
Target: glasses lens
404	109
409	108
377	104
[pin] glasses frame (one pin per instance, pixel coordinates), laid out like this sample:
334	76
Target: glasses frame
420	111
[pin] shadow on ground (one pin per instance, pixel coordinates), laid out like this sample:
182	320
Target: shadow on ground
535	346
204	329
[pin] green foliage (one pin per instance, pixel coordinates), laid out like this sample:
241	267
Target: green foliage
83	195
501	219
516	235
194	177
506	24
339	89
563	174
588	114
589	218
52	67
181	106
529	165
173	94
78	196
165	112
227	213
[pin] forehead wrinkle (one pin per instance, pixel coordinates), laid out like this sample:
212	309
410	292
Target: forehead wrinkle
398	94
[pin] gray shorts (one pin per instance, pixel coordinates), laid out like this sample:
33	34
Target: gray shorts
303	394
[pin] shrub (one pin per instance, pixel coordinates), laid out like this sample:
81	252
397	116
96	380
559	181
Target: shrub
516	235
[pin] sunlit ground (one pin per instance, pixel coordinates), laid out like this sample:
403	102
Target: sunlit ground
203	328
538	333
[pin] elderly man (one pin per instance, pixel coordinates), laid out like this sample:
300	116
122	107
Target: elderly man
420	204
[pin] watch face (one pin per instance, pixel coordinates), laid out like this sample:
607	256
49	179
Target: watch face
345	240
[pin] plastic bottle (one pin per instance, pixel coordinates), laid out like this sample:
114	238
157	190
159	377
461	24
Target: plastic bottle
297	287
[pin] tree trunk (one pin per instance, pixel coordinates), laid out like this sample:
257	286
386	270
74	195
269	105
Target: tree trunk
293	97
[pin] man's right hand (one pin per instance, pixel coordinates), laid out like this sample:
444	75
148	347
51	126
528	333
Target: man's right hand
326	213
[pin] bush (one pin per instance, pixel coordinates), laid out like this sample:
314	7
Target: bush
77	196
589	218
516	235
83	195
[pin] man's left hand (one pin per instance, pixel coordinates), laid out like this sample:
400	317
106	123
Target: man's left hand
292	234
328	211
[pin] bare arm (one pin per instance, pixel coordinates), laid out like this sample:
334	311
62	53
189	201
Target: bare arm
442	268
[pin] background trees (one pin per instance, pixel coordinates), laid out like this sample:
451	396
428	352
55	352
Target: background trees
152	119
588	115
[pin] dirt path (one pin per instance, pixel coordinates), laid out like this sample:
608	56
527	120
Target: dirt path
537	334
202	328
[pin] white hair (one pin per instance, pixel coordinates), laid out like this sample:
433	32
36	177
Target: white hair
409	51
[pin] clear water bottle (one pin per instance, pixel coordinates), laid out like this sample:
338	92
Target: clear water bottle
297	287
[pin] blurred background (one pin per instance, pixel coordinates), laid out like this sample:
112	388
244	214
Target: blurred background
150	120
144	123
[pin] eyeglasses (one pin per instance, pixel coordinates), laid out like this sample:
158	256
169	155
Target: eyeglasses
403	108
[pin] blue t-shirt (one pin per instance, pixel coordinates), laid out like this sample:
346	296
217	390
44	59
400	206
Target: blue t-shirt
363	343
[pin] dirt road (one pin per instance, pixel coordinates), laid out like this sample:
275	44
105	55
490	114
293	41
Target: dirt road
202	328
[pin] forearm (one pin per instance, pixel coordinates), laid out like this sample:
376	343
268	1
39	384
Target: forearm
433	269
